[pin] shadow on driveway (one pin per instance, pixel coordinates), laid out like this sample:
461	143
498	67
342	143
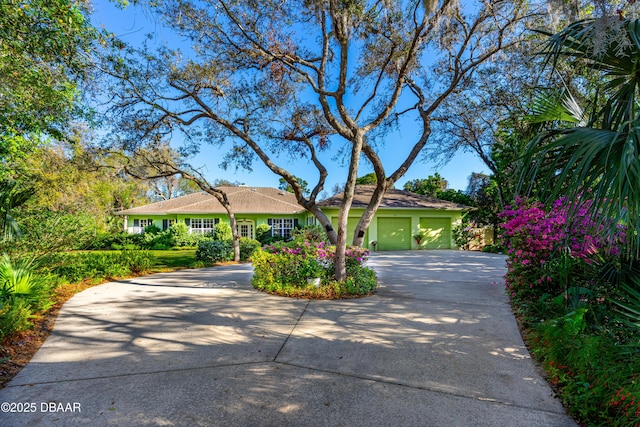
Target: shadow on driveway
437	346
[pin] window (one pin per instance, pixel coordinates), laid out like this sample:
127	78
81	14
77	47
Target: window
203	225
144	223
282	226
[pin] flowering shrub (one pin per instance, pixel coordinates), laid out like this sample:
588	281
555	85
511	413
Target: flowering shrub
534	236
284	268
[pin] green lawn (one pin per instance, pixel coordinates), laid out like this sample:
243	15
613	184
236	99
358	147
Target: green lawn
176	259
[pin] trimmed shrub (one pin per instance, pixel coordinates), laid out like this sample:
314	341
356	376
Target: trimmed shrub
263	233
76	267
222	231
215	251
248	248
181	238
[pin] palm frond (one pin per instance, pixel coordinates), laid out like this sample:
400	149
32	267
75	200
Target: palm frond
556	107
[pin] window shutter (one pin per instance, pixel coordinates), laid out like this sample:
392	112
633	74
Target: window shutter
136	223
165	224
187	222
295	223
270	222
216	221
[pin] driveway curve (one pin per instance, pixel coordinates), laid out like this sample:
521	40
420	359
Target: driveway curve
436	346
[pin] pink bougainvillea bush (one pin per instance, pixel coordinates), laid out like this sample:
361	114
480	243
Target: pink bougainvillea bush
535	235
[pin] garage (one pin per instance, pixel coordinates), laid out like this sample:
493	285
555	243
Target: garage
437	233
394	234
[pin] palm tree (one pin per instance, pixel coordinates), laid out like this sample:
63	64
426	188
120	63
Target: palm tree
12	195
598	156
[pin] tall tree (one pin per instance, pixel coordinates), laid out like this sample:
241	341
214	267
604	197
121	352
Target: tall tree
44	47
304	185
269	78
429	186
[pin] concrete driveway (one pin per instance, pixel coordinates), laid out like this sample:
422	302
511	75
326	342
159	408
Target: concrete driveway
436	346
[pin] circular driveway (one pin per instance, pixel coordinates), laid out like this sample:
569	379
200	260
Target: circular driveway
436	346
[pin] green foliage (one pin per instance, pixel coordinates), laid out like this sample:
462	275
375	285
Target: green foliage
427	187
78	266
152	229
12	196
181	238
601	156
23	292
462	233
222	231
247	248
263	233
215	251
598	376
313	234
286	269
368	179
47	231
627	300
15	316
18	279
222	250
44	52
304	186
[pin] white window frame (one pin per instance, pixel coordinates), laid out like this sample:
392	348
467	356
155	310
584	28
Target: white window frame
282	227
202	225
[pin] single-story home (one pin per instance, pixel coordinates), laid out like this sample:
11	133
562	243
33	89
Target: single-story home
401	215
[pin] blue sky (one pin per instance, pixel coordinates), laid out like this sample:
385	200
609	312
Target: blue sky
132	24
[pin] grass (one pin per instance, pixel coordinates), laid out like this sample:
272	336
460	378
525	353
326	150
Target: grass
176	259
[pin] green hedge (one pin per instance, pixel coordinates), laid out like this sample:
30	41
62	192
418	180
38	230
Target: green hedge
222	250
78	266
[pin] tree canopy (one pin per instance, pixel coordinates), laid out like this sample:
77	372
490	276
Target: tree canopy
44	46
306	80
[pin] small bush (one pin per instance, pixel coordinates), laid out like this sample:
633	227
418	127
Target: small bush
263	233
18	279
181	238
15	316
215	251
222	231
248	248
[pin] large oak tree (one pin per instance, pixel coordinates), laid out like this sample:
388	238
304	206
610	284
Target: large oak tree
311	78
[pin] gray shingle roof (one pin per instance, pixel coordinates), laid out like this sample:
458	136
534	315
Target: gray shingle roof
243	199
394	198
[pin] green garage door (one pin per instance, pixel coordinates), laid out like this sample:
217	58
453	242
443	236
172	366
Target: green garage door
394	234
437	233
